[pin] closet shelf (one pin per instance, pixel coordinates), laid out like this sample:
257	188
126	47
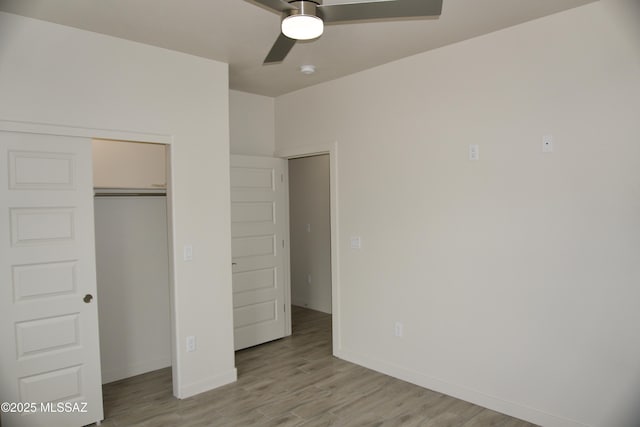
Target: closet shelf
129	192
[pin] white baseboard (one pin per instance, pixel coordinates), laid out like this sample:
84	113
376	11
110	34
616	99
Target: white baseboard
304	304
114	374
298	302
207	384
500	405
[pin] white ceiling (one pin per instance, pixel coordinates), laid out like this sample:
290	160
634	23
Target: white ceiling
241	33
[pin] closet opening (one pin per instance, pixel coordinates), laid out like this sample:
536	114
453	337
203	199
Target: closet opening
132	223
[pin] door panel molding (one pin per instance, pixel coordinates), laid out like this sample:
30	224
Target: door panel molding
259	246
50	350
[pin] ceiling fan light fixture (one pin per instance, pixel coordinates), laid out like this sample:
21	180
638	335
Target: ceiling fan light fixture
302	27
305	19
302	23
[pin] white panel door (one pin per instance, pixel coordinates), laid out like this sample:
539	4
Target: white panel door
258	236
49	357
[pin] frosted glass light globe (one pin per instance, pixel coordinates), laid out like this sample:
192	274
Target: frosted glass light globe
302	27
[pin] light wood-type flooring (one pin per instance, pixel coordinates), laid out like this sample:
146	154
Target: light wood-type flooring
294	381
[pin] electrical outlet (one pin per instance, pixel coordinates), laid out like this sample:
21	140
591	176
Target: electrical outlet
191	343
398	329
308	279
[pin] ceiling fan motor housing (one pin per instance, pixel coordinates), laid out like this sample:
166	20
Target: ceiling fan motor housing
304	7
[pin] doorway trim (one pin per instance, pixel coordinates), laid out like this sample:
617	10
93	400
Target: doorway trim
123	135
332	150
52	129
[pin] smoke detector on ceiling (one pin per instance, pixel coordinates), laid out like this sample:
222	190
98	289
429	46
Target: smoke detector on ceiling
307	69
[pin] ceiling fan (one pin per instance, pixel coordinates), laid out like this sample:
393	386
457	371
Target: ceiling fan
305	19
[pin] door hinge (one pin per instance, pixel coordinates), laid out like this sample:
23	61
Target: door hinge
281	177
283	244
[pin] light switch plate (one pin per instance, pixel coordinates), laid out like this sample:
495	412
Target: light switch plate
191	343
188	253
474	152
356	242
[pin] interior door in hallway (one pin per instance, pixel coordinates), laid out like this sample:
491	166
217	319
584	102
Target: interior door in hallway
48	312
259	215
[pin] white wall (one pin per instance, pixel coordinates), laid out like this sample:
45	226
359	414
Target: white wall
251	123
55	74
516	276
133	285
309	204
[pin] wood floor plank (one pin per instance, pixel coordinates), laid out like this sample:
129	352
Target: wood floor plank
294	381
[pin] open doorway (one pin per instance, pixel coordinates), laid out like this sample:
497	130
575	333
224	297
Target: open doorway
308	182
260	230
310	236
331	150
132	259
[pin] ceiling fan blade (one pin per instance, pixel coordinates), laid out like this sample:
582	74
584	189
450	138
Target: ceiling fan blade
380	10
280	49
276	5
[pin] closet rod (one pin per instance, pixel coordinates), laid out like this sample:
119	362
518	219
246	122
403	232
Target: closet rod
130	195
